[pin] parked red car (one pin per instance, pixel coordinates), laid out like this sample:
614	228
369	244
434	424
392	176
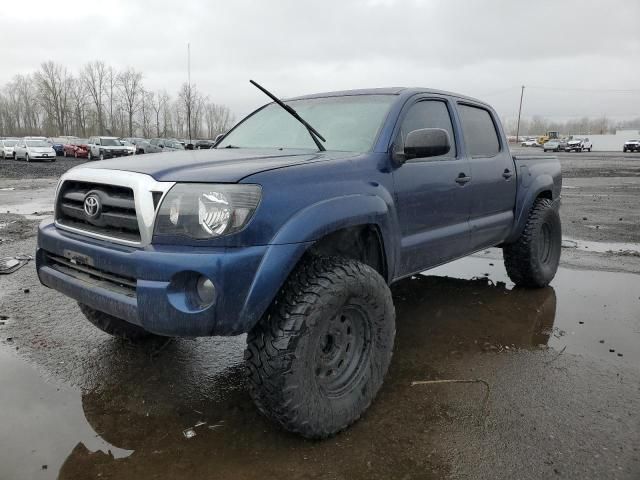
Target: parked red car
76	147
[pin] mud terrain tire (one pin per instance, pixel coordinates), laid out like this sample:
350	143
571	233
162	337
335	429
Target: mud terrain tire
115	326
317	359
532	261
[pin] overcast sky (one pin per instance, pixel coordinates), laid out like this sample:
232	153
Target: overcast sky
485	49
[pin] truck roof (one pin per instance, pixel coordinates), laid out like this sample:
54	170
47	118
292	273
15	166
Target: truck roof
401	91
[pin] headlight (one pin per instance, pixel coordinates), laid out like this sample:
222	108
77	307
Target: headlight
201	210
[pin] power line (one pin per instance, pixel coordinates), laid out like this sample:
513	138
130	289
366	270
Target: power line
577	89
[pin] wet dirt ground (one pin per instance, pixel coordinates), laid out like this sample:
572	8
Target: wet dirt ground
562	365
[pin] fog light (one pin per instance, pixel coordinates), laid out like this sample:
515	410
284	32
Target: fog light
205	290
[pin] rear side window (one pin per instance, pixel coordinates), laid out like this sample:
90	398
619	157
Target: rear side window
479	131
427	114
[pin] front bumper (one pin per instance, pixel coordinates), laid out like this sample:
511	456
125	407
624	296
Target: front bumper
154	300
115	153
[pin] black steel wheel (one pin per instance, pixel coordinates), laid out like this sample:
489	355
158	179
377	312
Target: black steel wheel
316	361
532	260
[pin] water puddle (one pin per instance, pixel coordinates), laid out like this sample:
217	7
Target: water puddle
601	247
186	413
594	313
34	204
41	423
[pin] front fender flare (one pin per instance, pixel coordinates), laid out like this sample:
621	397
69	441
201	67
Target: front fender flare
299	233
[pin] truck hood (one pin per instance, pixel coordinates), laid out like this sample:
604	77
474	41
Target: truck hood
212	165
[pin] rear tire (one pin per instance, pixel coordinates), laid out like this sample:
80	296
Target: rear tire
532	261
115	326
317	359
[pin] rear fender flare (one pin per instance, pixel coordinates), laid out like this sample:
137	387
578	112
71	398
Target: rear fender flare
526	199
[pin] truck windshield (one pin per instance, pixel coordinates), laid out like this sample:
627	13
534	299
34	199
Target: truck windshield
349	123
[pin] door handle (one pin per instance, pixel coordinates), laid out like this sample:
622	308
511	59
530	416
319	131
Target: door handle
462	179
507	174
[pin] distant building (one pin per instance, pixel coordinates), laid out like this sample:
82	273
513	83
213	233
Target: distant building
611	142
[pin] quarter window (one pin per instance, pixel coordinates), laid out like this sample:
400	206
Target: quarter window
427	114
479	131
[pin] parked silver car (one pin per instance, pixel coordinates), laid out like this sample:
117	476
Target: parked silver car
6	147
163	145
34	148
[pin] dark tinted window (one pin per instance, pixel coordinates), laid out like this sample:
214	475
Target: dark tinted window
479	132
427	114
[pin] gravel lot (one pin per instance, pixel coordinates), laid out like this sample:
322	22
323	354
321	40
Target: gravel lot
563	365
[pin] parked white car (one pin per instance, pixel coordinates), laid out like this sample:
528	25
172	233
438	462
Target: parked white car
578	145
34	148
106	147
6	147
131	148
631	146
530	142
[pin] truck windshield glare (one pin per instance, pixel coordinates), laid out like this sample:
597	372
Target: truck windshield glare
349	124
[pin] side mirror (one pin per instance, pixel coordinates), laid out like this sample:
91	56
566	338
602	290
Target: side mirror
219	137
161	145
426	142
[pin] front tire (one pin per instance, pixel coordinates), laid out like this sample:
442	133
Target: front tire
317	359
115	326
26	157
101	157
89	156
532	261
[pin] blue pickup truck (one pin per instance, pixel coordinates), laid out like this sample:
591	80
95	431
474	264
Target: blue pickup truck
293	228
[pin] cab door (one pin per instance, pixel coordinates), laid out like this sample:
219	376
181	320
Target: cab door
493	176
432	195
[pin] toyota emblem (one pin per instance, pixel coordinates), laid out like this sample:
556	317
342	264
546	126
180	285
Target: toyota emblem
92	205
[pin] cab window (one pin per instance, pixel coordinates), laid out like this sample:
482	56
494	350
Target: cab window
427	114
479	131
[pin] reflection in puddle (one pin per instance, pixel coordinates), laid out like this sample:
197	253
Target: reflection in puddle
596	312
40	423
145	409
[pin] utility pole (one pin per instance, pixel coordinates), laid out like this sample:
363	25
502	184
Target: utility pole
519	113
189	99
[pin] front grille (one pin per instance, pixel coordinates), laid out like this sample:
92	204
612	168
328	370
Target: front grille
89	274
117	217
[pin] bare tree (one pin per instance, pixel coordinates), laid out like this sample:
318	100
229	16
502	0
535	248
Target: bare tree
80	101
112	94
93	76
54	84
158	105
130	84
188	96
219	119
146	112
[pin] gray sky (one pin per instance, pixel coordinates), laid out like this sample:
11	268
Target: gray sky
485	49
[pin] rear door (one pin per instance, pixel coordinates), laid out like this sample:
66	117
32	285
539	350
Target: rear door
493	177
432	196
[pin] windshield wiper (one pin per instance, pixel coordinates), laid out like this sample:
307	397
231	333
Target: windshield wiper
312	131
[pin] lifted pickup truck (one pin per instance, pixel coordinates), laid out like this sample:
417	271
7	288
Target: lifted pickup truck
294	233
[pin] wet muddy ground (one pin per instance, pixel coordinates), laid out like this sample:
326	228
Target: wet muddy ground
562	365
